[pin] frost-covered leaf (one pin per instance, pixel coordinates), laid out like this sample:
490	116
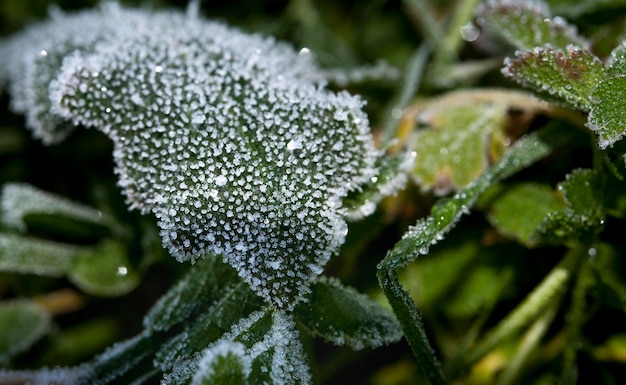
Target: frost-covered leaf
271	349
607	117
583	215
527	24
225	363
617	61
104	270
343	316
27	255
204	284
569	75
76	376
454	148
22	323
22	203
229	139
518	210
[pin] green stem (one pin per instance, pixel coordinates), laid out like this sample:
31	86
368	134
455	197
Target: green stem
576	319
527	346
412	79
549	291
422	17
411	322
462	15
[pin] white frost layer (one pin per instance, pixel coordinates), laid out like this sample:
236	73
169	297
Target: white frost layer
229	139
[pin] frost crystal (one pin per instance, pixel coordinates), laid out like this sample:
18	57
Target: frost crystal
229	139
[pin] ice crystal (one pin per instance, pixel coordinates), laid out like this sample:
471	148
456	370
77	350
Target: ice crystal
229	139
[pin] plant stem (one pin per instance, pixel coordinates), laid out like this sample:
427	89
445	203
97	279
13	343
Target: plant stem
423	19
411	321
528	344
412	80
462	15
549	291
576	318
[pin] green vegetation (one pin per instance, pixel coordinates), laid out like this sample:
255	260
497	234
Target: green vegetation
406	192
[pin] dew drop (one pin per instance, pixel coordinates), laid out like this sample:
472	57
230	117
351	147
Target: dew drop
122	271
470	32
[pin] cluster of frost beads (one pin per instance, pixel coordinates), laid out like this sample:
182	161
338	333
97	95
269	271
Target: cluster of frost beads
230	139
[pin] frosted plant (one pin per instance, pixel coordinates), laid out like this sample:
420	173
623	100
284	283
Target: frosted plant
229	139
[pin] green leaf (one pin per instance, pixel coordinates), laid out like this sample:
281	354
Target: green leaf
569	75
271	349
519	210
444	215
225	363
583	215
104	270
458	277
22	323
607	117
454	149
343	316
27	255
23	204
617	61
198	290
526	24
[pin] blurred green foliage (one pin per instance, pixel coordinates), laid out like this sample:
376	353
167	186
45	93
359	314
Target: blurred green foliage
489	251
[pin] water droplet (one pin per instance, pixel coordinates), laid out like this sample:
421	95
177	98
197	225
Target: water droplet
122	271
374	179
158	69
470	32
43	52
304	51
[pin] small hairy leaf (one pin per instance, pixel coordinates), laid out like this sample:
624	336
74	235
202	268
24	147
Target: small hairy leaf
22	323
343	316
520	209
607	117
27	255
527	24
617	61
583	215
570	75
